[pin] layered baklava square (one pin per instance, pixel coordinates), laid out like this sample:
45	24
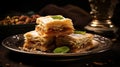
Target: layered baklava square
54	25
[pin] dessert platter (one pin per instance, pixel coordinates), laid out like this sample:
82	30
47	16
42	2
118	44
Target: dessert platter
55	36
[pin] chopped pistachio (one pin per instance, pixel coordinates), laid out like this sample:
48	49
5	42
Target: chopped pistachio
57	17
80	32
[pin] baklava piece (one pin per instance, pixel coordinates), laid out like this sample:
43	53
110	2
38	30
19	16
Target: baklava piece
76	42
37	42
54	25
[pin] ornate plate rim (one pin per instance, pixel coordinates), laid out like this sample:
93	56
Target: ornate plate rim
105	42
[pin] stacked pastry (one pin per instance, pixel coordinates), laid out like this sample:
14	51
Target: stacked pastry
54	31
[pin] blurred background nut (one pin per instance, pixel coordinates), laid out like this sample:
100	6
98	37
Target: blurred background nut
19	19
22	17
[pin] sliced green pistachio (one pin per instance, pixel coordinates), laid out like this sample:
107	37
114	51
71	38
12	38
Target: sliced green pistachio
63	49
57	17
80	32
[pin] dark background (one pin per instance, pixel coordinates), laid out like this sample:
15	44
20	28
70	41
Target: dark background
37	5
24	5
8	59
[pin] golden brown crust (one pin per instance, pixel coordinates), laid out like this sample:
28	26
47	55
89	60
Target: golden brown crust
76	42
49	34
53	32
32	46
54	27
35	41
84	47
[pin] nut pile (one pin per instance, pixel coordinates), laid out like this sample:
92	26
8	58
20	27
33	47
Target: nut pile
22	19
